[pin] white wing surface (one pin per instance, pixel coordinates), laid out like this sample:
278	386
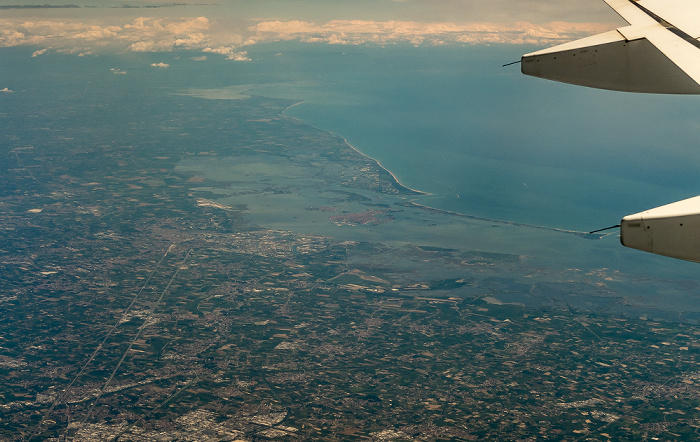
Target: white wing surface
683	14
658	52
670	230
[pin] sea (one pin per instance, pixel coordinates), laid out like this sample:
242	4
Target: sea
485	140
479	138
475	137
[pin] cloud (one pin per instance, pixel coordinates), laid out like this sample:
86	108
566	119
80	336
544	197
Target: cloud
80	52
143	34
160	35
151	34
95	32
230	52
160	65
39	52
417	33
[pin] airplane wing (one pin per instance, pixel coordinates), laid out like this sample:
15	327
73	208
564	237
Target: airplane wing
658	52
670	230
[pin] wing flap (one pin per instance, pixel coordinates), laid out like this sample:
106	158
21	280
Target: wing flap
631	13
681	14
680	51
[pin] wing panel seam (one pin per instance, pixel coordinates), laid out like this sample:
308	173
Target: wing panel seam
678	32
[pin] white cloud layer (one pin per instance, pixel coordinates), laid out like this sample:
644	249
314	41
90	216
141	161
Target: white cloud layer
39	52
389	32
230	52
140	35
162	35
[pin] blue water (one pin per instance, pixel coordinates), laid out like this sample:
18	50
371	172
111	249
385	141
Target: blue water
485	140
481	139
451	121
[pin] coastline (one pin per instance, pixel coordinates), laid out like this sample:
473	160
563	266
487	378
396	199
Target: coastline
347	143
399	183
408	203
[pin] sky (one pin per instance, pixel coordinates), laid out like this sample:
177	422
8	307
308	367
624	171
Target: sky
229	27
